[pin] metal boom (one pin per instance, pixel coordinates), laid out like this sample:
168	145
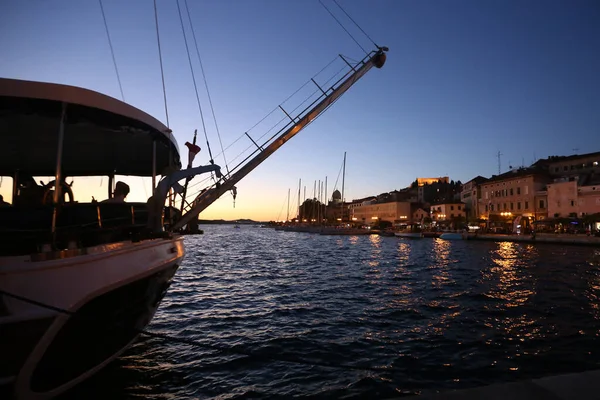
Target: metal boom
203	200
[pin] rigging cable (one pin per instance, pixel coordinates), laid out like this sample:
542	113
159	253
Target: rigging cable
343	27
194	80
358	26
162	74
206	86
112	52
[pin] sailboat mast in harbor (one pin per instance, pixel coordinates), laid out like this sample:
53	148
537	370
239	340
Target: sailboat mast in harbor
288	208
299	185
343	181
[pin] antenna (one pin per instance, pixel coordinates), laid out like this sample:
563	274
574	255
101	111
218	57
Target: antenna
499	164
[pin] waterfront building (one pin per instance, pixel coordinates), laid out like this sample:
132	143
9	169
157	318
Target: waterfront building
574	165
394	211
419	215
430	181
520	192
439	191
470	195
574	196
448	212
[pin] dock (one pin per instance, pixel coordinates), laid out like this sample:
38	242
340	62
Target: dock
580	386
555	238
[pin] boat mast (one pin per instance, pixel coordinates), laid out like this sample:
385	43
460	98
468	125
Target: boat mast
343	179
304	204
326	200
327	98
288	208
299	185
314	201
319	204
58	177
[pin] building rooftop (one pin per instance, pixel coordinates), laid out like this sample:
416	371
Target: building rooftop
478	180
517	172
553	159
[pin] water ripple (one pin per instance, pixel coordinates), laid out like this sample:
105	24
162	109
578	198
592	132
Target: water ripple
433	314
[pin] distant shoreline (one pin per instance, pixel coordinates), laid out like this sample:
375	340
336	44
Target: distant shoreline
224	222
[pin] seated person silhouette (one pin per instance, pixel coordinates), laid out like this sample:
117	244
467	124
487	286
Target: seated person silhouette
121	191
29	192
3	203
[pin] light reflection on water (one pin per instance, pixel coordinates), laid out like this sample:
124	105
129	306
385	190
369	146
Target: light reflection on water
439	314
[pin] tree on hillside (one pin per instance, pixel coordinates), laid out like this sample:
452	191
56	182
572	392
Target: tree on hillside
309	210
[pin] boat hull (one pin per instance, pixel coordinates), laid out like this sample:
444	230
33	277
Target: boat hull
411	235
111	294
451	236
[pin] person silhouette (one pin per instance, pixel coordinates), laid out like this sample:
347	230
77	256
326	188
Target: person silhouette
121	192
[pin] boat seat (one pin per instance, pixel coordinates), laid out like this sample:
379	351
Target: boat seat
30	218
78	216
114	215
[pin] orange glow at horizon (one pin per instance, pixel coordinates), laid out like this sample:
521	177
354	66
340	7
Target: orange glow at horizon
256	205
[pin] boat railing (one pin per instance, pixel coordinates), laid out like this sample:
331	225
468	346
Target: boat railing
26	230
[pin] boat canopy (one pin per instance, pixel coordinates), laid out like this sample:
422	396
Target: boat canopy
102	135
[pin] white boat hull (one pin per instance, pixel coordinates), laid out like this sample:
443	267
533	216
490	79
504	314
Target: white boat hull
113	291
413	235
451	236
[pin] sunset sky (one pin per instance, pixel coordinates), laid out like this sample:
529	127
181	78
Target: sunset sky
464	80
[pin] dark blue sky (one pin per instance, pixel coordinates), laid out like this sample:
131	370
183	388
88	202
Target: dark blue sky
464	80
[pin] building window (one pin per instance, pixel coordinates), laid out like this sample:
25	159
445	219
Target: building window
512	206
541	203
511	191
518	190
572	203
452	207
526	189
565	168
555	169
519	205
458	208
491	207
452	215
527	205
486	208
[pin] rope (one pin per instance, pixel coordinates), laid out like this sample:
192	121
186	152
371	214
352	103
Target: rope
194	343
206	86
343	27
162	75
358	26
112	52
